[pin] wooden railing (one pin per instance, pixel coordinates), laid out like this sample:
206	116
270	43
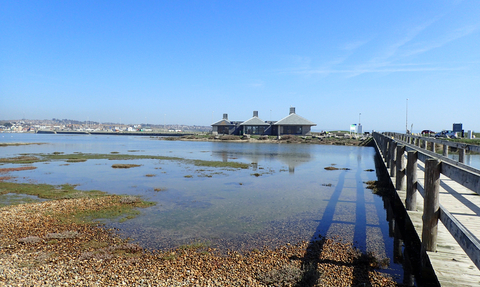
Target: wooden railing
400	153
430	142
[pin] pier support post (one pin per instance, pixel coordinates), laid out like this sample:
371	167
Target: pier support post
461	155
400	166
411	200
431	205
445	150
393	149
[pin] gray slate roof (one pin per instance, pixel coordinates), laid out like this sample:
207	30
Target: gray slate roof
222	123
254	121
294	120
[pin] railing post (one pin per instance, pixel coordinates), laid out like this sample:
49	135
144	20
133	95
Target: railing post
461	155
411	200
383	146
387	151
432	148
400	165
431	205
445	150
393	148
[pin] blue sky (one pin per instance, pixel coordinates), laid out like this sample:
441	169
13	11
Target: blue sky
188	62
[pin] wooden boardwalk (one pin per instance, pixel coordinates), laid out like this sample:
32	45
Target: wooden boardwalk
450	262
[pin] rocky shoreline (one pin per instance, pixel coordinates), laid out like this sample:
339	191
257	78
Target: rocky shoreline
327	139
38	247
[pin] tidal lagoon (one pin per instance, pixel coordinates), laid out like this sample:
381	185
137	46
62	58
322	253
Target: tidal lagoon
285	195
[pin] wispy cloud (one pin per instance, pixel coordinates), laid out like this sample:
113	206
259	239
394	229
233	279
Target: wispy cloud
256	84
452	36
384	69
391	53
389	58
354	45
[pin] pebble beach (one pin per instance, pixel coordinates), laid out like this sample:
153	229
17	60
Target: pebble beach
39	246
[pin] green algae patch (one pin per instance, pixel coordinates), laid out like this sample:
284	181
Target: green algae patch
47	191
76	160
112	208
111	156
105	206
86	156
15	199
81	157
18	144
125	165
23	159
231	164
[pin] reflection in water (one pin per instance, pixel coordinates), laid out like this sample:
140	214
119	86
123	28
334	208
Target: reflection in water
292	156
407	250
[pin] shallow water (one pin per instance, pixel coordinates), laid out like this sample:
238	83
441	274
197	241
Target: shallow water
472	160
285	196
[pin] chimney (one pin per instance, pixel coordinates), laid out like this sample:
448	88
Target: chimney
225	117
255	114
292	110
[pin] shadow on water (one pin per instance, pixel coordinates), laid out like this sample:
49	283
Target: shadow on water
407	251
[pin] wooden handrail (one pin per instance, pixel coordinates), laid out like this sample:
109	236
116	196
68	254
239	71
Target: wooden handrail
393	147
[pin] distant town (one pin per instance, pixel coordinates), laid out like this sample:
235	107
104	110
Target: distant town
24	125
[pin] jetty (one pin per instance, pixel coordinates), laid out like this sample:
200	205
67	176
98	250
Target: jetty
441	198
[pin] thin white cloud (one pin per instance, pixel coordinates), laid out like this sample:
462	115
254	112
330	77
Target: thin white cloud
391	52
356	71
452	36
256	84
354	45
405	42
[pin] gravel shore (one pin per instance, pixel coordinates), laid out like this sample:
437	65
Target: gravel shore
39	247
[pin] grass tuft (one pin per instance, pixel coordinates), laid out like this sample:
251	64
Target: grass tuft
125	165
20	159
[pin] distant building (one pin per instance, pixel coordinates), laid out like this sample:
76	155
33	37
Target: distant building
359	129
292	124
254	126
224	126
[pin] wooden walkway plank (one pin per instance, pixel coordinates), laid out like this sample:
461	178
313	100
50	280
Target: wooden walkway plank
452	265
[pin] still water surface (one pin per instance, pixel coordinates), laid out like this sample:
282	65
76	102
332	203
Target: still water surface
285	196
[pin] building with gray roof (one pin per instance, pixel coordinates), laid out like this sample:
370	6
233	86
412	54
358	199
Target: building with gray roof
254	125
292	124
224	126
